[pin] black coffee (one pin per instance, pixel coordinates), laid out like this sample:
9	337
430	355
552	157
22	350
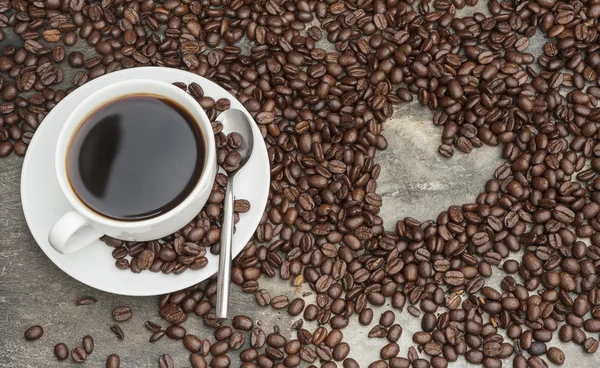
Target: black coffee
136	157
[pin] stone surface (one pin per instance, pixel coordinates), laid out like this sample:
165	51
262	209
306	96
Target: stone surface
418	182
415	181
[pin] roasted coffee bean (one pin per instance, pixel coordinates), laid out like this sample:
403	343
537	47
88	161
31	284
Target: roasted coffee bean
555	355
34	333
341	351
579	337
537	348
296	307
61	351
399	362
113	361
117	331
205	349
590	345
198	361
275	340
122	264
428	322
236	340
378	331
176	332
58	53
192	343
172	313
421	338
475	356
257	338
378	364
152	326
279	301
165	361
243	323
394	333
307	354
592	325
519	361
565	334
223	333
439	362
389	351
432	348
121	314
387	318
366	316
262	297
88	344
20	148
220	361
78	355
157	335
5	149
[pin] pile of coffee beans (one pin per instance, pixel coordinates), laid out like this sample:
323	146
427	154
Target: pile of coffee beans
320	78
186	249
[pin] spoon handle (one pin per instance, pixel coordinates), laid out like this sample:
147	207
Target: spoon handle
224	273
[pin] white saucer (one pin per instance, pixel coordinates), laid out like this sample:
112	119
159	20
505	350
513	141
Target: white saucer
43	202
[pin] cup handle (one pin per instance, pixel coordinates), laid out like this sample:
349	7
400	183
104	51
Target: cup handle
71	233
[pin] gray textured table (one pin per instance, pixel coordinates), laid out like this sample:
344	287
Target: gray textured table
415	181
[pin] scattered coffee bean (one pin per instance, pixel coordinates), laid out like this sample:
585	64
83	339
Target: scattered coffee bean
220	361
555	355
296	307
389	351
117	331
192	343
152	326
61	351
165	361
262	297
243	323
34	333
88	344
157	335
78	354
113	361
121	314
279	301
198	361
176	332
257	338
590	345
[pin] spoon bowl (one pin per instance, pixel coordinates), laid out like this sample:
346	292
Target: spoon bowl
235	121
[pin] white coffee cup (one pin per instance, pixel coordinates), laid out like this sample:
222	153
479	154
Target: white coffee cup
81	226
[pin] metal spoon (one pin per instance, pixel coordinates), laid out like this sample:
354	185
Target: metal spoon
233	121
